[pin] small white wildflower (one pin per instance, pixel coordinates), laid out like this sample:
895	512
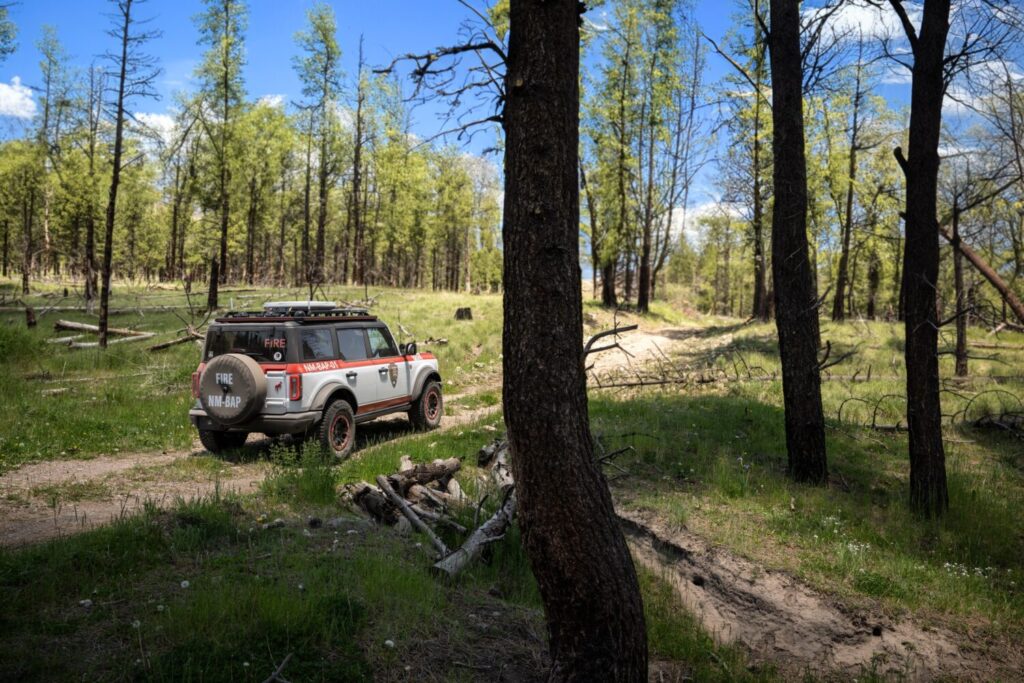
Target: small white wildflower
245	664
185	584
136	624
85	603
302	587
389	643
159	608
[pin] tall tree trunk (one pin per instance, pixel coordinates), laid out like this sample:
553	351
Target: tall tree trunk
874	278
7	232
608	296
28	245
961	298
796	314
595	251
250	233
839	303
115	178
760	306
307	209
928	492
323	194
576	550
279	268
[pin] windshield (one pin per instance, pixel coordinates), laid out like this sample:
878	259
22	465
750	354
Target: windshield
263	344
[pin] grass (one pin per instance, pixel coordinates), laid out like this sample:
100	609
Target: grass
711	458
128	399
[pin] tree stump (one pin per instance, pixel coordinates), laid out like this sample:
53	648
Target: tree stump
464	313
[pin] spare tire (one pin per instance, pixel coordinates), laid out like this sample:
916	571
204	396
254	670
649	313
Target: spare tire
232	388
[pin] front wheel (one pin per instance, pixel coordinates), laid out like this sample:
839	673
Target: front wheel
338	430
219	442
429	407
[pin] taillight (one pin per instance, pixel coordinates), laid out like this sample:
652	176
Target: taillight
195	384
294	387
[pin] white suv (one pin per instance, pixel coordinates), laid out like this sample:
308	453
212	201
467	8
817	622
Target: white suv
308	368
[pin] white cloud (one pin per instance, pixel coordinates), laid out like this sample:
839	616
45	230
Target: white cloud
273	100
160	124
687	221
859	19
16	100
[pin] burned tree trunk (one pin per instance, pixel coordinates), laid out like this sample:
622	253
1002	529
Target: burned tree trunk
928	492
577	552
796	311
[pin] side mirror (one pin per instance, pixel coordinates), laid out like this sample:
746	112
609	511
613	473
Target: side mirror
410	349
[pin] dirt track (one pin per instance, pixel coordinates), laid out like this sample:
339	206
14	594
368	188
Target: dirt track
46	500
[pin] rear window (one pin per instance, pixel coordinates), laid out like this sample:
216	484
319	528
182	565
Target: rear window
264	344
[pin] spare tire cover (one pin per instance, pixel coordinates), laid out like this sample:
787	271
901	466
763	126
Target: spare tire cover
231	388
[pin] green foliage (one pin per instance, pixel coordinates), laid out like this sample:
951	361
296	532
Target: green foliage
8	32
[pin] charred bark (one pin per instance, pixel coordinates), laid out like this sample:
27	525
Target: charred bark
796	312
928	492
577	552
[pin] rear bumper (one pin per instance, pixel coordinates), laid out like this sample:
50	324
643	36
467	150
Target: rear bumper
291	423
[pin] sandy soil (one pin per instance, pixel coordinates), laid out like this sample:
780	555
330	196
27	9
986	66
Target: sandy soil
34	506
781	620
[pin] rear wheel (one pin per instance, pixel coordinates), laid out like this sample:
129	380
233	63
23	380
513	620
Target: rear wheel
219	442
338	430
429	407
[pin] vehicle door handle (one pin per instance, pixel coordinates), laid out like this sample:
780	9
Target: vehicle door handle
383	370
351	375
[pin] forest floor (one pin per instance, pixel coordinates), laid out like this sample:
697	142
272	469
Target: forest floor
745	576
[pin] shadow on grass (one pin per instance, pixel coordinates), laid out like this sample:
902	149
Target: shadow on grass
260	447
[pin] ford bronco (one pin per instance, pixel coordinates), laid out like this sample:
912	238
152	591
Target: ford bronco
308	368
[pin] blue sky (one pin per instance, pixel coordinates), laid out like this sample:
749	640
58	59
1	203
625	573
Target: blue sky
389	27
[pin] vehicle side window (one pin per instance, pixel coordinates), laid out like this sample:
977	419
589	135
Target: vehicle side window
381	343
317	345
352	342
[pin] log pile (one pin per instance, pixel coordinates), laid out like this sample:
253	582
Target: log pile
424	496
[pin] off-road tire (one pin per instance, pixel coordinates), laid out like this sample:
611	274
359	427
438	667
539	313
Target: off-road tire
338	430
219	442
428	409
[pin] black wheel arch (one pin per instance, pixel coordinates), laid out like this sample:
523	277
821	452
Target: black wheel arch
423	380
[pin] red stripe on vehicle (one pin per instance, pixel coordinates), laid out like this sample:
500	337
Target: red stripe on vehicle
327	365
381	405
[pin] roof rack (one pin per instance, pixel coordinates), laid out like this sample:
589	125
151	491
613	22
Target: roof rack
300	312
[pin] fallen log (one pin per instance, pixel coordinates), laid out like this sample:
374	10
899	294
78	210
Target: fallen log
438	518
495	528
64	340
86	327
119	340
489	532
192	334
438	470
987	271
374	503
416	522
